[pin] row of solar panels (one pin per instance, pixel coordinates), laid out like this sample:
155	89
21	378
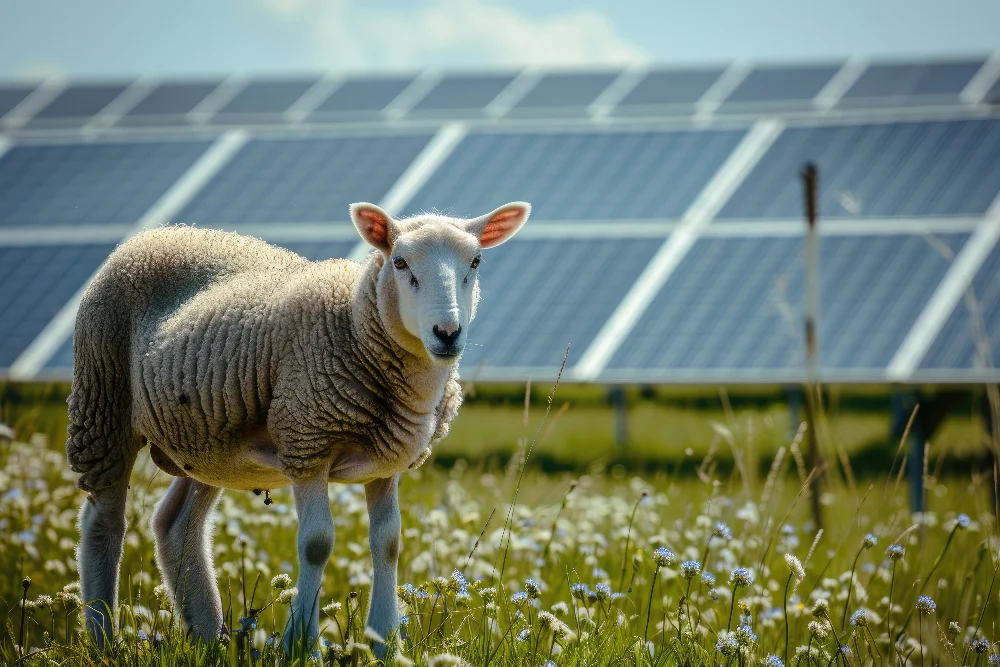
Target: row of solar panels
903	169
730	311
654	92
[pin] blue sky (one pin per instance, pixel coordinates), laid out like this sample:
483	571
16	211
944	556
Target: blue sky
108	38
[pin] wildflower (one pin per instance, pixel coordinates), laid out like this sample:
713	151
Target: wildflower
579	591
728	645
560	608
532	588
247	623
488	594
795	567
722	531
741	576
708	578
523	635
859	619
963	520
847	653
519	598
772	661
446	660
333	608
713	594
895	552
663	557
925	605
821	608
73	587
26	583
71	600
869	541
281	582
410	593
690	569
286	596
548	621
44	602
603	591
953	630
745	636
980	646
162	595
994	660
817	629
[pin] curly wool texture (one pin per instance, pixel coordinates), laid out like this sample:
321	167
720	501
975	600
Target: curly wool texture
245	366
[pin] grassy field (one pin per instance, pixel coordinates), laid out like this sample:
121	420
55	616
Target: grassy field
594	565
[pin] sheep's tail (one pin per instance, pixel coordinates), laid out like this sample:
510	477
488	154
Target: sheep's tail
102	441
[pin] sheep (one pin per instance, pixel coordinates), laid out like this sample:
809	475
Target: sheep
244	366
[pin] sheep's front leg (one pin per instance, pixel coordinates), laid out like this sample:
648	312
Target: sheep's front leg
182	526
99	555
315	544
383	537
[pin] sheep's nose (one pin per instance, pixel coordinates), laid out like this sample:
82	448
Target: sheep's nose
447	333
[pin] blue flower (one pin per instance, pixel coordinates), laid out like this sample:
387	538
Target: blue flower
708	578
772	661
579	591
459	579
663	557
248	623
722	531
519	598
869	541
925	605
690	569
963	520
895	552
524	634
532	588
741	577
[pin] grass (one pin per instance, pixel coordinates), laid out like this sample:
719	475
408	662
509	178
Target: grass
602	547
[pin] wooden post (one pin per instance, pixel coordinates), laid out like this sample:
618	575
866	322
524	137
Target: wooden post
812	301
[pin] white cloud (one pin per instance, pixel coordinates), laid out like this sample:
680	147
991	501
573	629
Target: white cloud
345	35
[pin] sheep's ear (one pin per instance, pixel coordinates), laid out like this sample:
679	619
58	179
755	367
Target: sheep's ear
375	225
497	226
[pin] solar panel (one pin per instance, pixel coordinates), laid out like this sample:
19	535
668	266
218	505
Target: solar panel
579	175
302	180
462	95
76	105
11	96
733	306
785	87
665	90
92	183
540	295
563	94
168	103
261	101
993	94
879	170
970	339
37	281
362	98
929	83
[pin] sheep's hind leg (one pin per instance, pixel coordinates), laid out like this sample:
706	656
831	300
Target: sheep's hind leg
182	528
315	544
383	537
102	526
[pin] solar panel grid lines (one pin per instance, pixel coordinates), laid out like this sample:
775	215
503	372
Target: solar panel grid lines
656	274
360	99
312	98
464	96
76	105
945	300
222	95
667	92
263	101
40	97
626	82
779	87
5	144
61	235
416	174
12	95
522	84
902	83
136	91
852	69
727	82
563	94
169	102
412	94
986	79
33	358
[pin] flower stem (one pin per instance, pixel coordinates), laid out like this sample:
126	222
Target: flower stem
649	607
785	607
850	586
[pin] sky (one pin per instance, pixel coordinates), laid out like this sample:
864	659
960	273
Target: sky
103	39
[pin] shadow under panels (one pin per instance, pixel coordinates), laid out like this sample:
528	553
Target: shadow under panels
911	169
89	183
733	308
301	180
613	175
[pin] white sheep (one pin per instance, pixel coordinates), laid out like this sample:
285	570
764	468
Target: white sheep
244	366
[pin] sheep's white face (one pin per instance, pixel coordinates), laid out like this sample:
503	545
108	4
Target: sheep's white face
434	265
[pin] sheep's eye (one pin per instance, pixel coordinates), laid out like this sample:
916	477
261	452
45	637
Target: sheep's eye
475	262
399	262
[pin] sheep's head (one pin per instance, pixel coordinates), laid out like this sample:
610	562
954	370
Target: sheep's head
428	284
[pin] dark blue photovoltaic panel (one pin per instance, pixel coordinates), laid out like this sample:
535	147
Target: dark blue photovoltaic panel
661	90
93	183
265	98
530	311
881	170
910	84
563	93
302	180
578	175
318	251
788	86
77	104
735	304
362	97
970	339
35	282
463	93
993	95
170	99
11	96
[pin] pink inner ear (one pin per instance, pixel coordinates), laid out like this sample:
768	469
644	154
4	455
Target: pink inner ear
499	225
378	226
